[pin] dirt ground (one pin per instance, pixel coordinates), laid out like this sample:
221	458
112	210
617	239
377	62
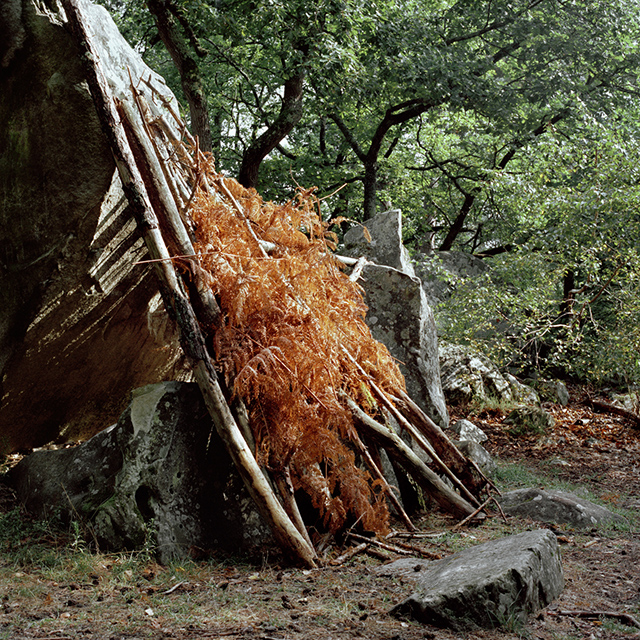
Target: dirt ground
53	587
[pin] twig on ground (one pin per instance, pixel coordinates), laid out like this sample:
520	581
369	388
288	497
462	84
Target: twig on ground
417	534
430	555
626	618
403	550
174	588
354	551
474	514
382	545
611	408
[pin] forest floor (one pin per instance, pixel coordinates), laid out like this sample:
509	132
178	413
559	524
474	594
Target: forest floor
53	587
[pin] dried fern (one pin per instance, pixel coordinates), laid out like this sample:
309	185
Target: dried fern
286	322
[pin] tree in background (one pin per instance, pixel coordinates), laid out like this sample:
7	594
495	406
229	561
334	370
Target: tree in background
566	296
473	117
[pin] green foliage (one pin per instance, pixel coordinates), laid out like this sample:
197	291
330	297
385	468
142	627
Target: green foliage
579	205
505	129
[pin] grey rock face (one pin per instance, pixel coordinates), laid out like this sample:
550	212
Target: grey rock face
161	471
399	315
401	319
71	481
520	392
75	309
466	430
467	375
554	391
627	401
12	30
490	585
476	452
557	507
385	246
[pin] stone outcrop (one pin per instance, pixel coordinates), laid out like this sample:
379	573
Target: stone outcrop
557	507
553	391
401	319
399	315
469	376
529	420
498	583
160	476
476	452
384	242
466	430
79	326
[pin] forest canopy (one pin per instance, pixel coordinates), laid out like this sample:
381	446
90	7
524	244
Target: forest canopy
508	130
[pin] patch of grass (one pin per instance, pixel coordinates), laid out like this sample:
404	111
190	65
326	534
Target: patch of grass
511	476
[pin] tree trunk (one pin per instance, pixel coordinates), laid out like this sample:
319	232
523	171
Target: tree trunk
370	189
187	65
289	116
458	224
568	294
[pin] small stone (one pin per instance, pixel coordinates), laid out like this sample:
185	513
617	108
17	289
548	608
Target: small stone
466	430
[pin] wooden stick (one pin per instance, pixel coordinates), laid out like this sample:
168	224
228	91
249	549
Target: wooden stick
611	408
354	551
627	618
464	468
448	499
415	434
364	451
417	550
403	550
357	270
417	534
475	513
285	487
381	545
192	340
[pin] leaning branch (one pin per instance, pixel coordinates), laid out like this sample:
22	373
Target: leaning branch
192	339
448	499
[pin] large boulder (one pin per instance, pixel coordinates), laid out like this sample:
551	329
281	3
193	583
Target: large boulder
529	421
161	475
469	376
557	507
79	322
466	430
380	241
399	315
498	583
476	452
553	391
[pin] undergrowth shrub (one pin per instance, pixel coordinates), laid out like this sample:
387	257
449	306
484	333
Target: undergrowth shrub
513	314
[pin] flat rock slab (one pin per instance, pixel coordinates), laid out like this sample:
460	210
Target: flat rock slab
557	507
498	583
